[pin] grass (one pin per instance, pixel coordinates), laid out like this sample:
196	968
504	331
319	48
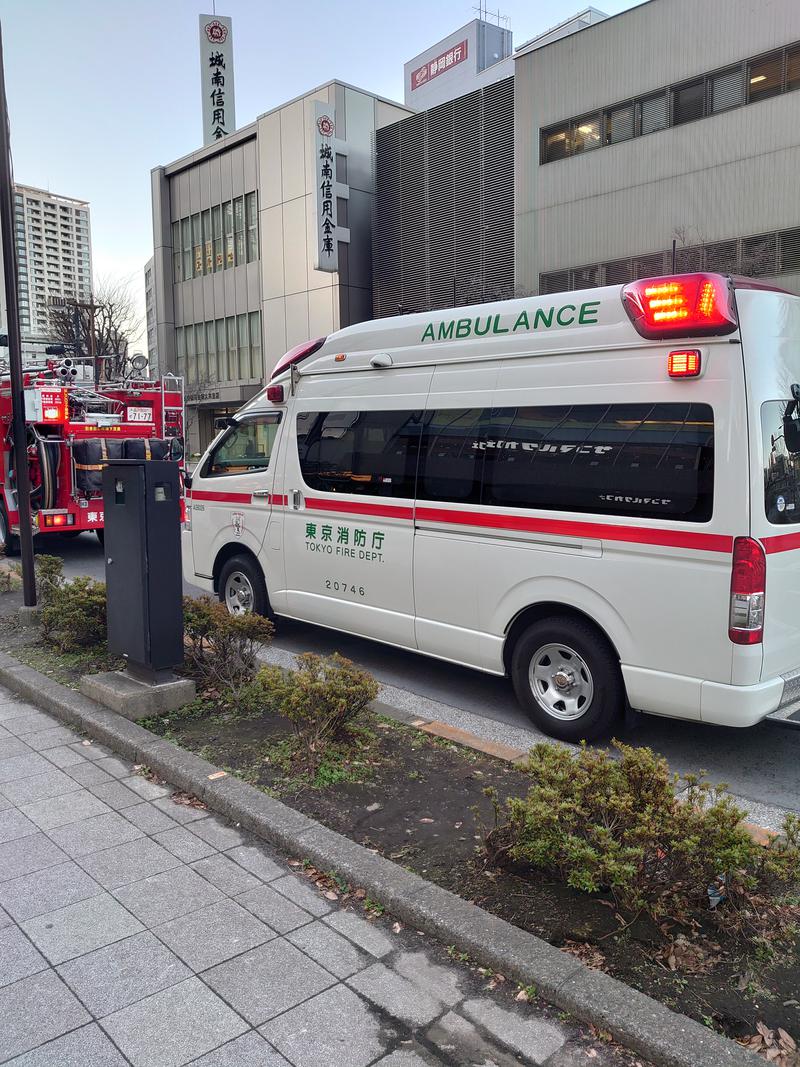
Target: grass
68	667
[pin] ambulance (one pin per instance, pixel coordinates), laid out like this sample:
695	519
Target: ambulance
596	494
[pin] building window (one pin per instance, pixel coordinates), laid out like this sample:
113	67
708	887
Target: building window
256	363
180	345
238	230
216	232
197	245
556	143
211	349
654	113
186	232
710	94
586	133
793	68
243	332
222	351
619	123
177	273
208	243
765	77
251	218
233	355
227	226
688	102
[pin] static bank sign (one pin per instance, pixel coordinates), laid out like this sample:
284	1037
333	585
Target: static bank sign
216	77
327	257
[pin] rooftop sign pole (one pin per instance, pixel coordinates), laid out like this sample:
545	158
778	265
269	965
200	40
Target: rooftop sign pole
216	77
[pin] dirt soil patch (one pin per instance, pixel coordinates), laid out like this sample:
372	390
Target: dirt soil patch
419	800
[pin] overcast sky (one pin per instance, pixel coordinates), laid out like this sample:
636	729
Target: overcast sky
100	91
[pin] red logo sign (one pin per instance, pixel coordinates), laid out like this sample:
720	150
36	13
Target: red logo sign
216	32
440	65
326	125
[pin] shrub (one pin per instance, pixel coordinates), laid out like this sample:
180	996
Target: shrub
74	614
49	577
599	822
321	699
10	577
221	649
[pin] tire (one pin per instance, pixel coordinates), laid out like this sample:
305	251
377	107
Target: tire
242	588
101	536
567	679
9	540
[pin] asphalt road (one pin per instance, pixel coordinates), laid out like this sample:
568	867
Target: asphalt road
761	765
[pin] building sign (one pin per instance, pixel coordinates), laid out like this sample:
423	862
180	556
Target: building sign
434	67
216	77
325	156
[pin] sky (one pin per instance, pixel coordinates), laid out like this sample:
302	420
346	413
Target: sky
101	91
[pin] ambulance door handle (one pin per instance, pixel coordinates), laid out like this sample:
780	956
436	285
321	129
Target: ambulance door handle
297	499
261	492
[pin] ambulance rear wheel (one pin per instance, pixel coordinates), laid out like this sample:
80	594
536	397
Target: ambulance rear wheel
9	541
242	588
567	679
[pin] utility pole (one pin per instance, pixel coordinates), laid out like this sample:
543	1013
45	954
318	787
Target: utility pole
18	429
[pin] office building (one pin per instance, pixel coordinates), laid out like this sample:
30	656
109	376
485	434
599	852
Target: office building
673	121
238	243
54	253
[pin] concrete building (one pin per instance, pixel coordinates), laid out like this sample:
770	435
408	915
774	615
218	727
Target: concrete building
675	120
54	252
236	247
474	56
150	317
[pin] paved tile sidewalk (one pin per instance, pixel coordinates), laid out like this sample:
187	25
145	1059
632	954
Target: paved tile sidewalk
137	931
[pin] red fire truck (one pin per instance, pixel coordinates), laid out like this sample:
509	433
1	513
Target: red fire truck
73	429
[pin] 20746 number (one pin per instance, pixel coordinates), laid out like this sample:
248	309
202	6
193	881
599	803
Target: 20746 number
344	587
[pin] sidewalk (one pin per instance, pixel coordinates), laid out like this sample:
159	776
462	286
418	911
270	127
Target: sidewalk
135	930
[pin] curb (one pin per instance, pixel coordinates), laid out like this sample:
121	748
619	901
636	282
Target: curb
632	1018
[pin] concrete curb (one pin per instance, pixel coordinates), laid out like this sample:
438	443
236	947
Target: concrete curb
634	1019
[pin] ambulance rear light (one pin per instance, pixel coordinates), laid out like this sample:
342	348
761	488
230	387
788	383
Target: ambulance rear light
685	363
50	520
748	589
681	305
275	394
294	355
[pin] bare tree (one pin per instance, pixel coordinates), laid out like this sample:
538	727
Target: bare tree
116	324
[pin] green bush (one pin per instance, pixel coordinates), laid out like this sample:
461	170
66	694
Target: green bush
74	614
49	577
221	649
622	824
322	699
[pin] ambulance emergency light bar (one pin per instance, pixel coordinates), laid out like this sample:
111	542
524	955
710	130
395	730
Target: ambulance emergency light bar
681	305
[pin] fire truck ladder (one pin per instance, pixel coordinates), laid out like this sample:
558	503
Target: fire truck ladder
173	383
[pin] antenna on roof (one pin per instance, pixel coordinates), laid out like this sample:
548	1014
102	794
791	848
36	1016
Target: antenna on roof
485	15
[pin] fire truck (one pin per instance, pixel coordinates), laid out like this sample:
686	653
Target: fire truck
73	429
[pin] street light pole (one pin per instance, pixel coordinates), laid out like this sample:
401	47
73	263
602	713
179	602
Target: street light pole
18	428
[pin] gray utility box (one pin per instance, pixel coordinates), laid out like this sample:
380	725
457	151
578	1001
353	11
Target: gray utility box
143	565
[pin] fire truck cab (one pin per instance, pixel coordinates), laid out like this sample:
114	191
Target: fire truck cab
73	429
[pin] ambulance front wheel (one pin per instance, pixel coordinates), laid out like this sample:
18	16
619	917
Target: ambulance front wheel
567	679
242	588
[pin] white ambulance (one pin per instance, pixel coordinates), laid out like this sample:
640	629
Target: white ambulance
597	494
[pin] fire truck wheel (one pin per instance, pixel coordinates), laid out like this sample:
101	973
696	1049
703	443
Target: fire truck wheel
101	536
242	588
567	678
9	540
69	534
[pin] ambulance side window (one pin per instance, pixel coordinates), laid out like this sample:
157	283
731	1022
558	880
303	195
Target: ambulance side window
781	450
245	448
451	464
370	453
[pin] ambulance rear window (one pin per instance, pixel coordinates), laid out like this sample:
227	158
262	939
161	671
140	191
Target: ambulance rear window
781	438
